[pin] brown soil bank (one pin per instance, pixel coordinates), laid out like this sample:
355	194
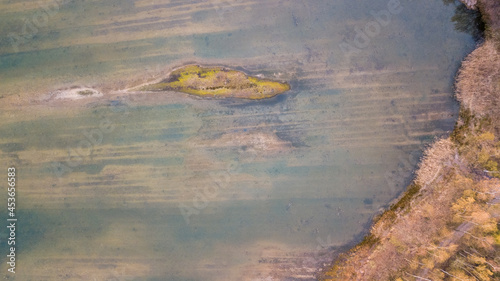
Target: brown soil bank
445	226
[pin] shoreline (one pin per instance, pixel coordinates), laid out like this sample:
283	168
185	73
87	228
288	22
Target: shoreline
423	235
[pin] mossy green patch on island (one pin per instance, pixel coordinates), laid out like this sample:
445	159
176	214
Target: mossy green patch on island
218	82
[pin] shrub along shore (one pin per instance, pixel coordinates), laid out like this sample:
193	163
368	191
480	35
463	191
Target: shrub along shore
446	225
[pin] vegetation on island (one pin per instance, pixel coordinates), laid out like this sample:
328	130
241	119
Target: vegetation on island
218	82
446	225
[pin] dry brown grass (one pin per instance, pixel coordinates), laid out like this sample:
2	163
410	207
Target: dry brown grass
433	231
478	81
440	155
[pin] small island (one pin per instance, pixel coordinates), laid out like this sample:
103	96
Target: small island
218	82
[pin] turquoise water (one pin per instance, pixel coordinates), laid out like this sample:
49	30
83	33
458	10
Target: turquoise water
180	188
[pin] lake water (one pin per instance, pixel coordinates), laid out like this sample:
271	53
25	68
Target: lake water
171	187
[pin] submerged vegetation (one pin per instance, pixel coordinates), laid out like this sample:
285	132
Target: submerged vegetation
446	225
86	93
469	21
218	82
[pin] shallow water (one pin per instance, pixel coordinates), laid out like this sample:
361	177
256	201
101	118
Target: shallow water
191	189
